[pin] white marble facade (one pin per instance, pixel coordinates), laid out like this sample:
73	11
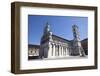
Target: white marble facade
55	49
53	46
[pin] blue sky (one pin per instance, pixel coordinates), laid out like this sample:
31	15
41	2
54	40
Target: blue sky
60	26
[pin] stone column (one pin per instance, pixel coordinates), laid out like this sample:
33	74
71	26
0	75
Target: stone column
64	51
50	51
67	51
57	50
53	50
60	50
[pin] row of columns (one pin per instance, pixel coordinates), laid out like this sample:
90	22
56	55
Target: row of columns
58	50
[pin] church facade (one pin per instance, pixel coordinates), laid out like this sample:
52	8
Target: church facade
53	46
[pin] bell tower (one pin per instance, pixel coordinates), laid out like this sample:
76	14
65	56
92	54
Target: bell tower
45	44
47	28
77	47
47	35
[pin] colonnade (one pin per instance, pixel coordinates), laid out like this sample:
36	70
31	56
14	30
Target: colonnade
58	50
